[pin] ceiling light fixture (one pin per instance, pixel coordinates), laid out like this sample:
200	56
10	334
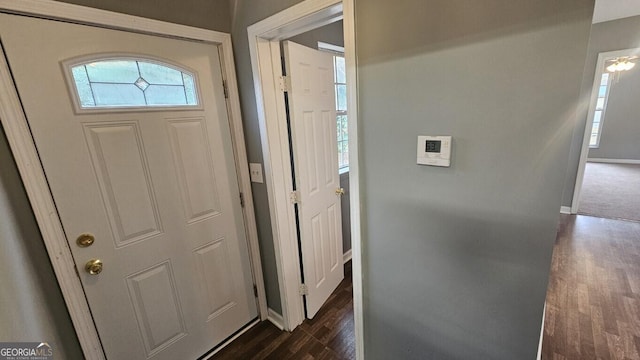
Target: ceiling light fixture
621	64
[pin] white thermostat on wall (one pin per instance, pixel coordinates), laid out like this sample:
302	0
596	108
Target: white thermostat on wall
434	150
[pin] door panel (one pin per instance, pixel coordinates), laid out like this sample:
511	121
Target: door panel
157	189
125	183
189	145
215	276
157	307
315	153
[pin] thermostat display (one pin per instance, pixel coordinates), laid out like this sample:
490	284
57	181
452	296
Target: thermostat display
434	150
433	146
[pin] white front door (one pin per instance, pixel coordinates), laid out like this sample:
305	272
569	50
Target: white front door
148	171
312	112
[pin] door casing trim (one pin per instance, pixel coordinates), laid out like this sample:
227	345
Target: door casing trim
264	37
32	174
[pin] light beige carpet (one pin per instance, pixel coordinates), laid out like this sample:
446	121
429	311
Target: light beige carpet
611	191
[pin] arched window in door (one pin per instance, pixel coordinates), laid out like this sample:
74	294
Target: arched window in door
127	82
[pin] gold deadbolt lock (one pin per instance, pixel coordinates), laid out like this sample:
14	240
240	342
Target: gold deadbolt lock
93	266
85	240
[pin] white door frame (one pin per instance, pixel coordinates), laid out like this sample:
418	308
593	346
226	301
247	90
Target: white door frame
584	153
264	48
24	151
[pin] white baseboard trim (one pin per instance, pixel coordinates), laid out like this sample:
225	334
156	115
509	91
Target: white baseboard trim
614	161
230	340
275	318
565	210
346	256
544	310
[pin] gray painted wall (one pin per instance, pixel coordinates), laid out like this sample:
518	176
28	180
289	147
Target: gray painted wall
620	137
331	34
606	36
207	14
456	260
31	305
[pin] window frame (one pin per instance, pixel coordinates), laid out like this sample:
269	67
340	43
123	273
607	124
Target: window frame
602	111
67	66
337	51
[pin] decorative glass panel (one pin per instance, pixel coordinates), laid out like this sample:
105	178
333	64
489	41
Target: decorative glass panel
161	75
117	83
189	89
165	95
113	71
83	87
106	94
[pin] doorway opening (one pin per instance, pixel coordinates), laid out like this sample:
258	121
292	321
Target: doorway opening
608	181
265	47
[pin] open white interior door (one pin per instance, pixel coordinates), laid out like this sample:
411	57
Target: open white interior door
312	112
133	135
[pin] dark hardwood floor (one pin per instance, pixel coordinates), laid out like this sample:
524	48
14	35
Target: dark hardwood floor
330	335
593	299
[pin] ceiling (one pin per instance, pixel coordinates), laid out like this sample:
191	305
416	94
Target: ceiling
607	10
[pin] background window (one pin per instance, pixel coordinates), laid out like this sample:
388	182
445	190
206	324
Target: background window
598	114
340	83
341	111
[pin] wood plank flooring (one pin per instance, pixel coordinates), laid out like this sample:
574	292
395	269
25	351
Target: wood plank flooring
329	336
593	299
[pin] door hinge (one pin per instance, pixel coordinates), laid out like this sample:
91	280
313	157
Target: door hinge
255	290
241	199
303	290
285	83
294	197
225	89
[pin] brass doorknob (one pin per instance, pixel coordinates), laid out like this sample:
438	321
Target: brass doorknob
93	266
85	240
339	191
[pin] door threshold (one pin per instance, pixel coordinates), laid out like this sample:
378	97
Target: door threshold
230	339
